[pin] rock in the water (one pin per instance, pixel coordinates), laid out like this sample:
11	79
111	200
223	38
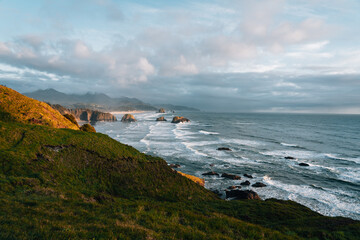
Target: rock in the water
128	118
246	183
258	184
211	164
288	157
304	164
241	194
174	165
230	176
161	119
178	119
224	149
210	174
248	175
161	110
234	187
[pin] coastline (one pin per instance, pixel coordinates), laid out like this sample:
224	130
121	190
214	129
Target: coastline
128	112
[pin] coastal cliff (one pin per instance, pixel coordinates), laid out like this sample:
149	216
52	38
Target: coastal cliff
85	114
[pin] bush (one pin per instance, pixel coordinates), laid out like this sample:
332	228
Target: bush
87	128
71	118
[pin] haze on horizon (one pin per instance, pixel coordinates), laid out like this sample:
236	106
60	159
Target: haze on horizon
228	55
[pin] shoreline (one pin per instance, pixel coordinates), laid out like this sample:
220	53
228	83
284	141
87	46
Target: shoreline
128	112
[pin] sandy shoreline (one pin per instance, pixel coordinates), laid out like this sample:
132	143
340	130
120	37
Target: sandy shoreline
128	112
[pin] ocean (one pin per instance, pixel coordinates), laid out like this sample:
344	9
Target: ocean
330	144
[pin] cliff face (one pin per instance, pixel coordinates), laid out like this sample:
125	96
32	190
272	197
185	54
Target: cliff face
92	116
85	114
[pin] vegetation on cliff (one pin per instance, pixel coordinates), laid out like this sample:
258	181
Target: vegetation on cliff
17	107
67	184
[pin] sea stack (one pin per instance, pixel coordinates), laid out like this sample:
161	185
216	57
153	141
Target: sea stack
128	118
161	110
178	119
160	119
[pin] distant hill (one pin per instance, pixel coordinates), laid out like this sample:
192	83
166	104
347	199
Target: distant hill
94	101
17	107
171	107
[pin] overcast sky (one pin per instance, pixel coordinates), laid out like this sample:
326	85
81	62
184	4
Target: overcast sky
240	55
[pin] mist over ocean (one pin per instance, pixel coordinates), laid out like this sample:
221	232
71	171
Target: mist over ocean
330	144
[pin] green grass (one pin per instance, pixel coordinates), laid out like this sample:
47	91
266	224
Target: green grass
17	107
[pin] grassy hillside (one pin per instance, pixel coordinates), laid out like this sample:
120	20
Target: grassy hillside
17	107
67	184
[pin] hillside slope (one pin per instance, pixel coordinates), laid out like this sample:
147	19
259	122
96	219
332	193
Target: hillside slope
17	107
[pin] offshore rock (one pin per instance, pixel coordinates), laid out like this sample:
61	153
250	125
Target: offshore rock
230	176
161	110
242	194
248	175
258	184
161	119
224	149
246	183
210	174
178	119
304	164
128	118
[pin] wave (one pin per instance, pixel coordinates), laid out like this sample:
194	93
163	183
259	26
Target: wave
333	156
242	142
331	202
289	145
208	133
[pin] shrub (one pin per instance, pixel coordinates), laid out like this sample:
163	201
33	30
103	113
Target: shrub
71	118
87	128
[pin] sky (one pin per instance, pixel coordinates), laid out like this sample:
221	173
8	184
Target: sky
296	56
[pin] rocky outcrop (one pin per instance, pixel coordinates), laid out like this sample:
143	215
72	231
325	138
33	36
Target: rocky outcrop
246	183
224	149
258	184
289	158
230	176
210	174
242	194
174	165
304	164
84	114
178	119
248	175
128	118
161	110
159	119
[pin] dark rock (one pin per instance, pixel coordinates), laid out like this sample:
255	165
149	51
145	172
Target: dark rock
288	157
248	175
161	110
242	194
230	176
211	165
210	174
128	118
174	165
223	149
246	183
161	119
304	164
258	184
178	119
234	187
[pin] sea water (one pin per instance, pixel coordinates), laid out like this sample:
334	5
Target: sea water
330	144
